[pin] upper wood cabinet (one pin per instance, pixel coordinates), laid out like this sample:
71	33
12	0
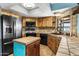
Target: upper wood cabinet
28	20
39	22
53	22
49	22
45	22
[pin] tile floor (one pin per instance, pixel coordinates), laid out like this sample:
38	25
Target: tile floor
44	51
73	43
69	46
63	47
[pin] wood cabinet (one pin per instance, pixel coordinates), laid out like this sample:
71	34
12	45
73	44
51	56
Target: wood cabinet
53	43
53	22
44	22
24	20
33	49
49	22
40	22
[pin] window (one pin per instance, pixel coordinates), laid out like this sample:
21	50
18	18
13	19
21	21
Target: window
66	26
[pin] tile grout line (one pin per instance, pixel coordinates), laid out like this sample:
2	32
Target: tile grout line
68	46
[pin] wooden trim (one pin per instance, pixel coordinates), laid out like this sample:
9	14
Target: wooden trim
8	12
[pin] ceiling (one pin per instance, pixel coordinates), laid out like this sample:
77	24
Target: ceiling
40	10
57	6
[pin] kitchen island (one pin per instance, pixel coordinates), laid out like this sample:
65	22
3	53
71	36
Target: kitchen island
27	46
54	42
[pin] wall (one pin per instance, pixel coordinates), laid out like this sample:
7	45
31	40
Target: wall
78	25
73	25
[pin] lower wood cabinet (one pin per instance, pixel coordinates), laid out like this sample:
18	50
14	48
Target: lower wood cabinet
53	43
32	49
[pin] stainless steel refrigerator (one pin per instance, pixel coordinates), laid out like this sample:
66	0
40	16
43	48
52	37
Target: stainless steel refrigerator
0	38
17	27
10	30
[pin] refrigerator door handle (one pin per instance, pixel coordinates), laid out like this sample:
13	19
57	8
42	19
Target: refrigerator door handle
8	42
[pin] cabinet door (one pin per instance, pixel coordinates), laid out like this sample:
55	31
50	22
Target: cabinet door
30	50
51	43
40	23
37	48
33	49
44	23
57	43
49	22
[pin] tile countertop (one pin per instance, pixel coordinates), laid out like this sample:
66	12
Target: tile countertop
27	40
